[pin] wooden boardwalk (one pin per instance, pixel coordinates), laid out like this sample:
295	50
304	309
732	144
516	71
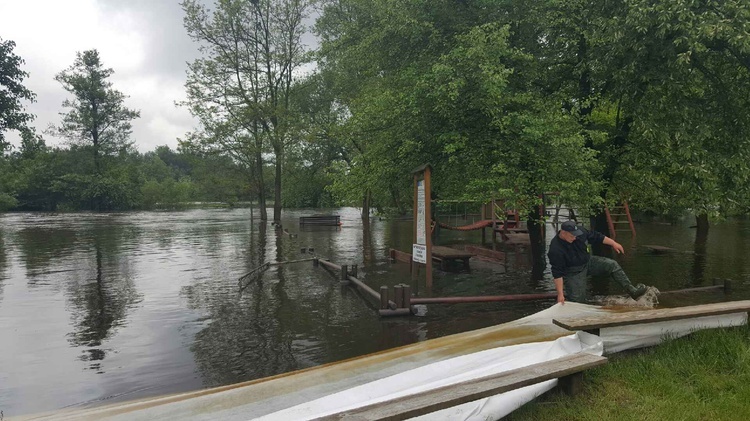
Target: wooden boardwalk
456	394
593	324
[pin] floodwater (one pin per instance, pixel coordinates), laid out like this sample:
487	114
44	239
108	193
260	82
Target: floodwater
100	308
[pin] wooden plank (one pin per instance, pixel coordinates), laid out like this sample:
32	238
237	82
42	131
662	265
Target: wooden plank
652	316
448	396
449	253
481	251
659	249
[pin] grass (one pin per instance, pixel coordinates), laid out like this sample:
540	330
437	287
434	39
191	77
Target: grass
703	376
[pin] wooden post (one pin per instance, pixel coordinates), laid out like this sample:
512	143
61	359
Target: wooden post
428	222
571	384
398	296
354	271
494	225
414	264
344	273
424	196
407	295
383	297
316	262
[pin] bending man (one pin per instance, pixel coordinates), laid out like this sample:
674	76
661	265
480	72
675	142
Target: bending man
572	263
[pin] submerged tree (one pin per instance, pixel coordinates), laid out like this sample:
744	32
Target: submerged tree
242	87
97	114
12	92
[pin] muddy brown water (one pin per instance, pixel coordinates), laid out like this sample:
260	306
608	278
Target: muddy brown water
100	308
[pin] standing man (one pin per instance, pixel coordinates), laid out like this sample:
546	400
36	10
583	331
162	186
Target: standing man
571	263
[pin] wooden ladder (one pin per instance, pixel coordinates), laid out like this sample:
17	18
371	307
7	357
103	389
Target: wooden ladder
615	219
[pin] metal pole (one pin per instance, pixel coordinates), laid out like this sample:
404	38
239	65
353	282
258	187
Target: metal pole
483	299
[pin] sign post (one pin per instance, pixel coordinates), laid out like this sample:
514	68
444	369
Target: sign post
422	245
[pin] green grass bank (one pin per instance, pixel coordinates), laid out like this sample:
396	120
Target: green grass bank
703	376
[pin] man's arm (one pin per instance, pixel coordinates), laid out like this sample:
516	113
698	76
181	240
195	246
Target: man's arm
614	244
559	288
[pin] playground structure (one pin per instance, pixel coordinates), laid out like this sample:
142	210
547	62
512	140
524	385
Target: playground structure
428	220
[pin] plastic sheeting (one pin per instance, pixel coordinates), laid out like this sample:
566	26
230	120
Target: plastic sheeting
349	384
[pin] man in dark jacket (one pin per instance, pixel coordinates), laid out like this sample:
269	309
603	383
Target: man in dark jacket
571	263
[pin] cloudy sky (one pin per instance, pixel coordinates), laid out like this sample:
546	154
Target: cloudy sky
142	40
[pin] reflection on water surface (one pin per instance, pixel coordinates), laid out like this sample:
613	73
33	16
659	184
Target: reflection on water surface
104	307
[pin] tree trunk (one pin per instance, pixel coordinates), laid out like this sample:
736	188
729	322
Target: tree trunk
261	186
277	186
699	260
702	225
367	198
536	237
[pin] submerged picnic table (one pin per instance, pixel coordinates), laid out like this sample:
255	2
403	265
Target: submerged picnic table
446	255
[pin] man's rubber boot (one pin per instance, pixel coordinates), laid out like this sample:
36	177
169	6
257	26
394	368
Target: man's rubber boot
637	291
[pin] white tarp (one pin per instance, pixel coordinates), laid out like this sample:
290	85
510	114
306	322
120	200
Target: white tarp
398	372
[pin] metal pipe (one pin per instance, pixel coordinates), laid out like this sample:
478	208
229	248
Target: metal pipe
482	299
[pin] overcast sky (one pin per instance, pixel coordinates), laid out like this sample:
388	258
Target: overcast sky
142	40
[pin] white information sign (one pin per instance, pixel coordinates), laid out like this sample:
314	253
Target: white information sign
421	235
419	253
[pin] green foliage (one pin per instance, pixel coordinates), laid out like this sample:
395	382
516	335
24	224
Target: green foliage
12	93
97	113
7	202
437	84
241	89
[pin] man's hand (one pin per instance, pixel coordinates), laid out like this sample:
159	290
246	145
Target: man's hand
614	244
561	298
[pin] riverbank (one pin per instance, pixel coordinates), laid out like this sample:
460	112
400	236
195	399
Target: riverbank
703	376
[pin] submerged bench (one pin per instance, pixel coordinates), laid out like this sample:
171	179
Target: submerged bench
446	255
593	324
568	369
326	220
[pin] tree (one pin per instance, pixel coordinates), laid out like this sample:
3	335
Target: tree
241	89
12	92
97	114
441	82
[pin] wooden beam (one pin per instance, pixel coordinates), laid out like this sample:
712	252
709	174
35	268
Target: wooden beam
652	316
468	391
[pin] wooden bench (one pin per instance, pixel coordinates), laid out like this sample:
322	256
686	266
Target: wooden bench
568	369
326	220
595	323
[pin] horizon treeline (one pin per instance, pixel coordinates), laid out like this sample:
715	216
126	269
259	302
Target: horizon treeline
640	100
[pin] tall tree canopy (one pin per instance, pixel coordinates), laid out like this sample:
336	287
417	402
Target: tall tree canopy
441	82
12	92
635	99
242	87
97	114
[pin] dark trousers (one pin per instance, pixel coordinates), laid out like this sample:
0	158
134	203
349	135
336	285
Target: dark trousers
574	284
